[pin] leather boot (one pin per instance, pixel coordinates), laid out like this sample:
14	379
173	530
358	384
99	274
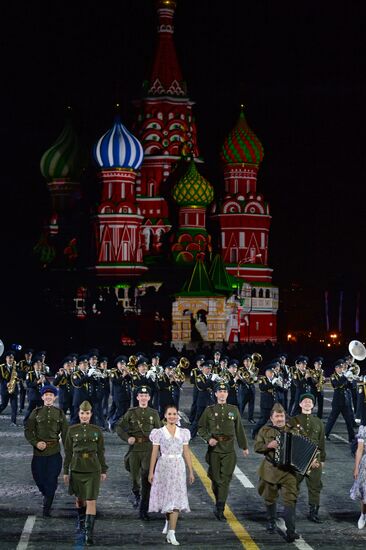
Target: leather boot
47	503
271	516
81	518
289	517
219	511
143	511
89	528
313	514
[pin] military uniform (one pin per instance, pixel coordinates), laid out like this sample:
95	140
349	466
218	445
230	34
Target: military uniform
138	423
340	404
46	424
82	392
223	423
23	368
63	381
313	428
35	380
274	478
267	399
205	397
5	376
121	396
318	377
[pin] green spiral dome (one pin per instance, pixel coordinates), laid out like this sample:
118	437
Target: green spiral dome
193	189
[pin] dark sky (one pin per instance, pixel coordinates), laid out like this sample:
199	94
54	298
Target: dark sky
297	66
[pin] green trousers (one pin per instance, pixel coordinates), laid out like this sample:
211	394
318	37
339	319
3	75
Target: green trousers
220	471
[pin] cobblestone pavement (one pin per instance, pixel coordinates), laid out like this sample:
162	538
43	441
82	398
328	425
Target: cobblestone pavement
22	526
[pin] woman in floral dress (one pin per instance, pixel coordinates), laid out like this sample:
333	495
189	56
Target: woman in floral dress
167	473
358	490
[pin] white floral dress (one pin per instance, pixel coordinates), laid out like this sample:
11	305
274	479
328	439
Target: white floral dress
169	486
358	490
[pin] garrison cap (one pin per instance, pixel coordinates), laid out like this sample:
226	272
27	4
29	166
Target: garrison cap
85	406
49	389
307	395
143	389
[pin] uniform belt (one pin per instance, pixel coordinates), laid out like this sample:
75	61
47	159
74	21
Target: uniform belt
142	439
51	442
83	454
223	437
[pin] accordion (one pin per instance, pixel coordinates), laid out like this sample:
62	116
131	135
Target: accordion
295	452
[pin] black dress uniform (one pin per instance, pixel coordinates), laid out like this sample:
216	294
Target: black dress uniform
205	397
303	383
267	399
193	378
47	424
6	370
247	390
168	387
35	380
340	402
62	381
81	384
319	379
24	366
121	391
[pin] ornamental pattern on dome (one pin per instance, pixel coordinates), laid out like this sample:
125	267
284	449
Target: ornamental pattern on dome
242	145
118	148
193	189
64	158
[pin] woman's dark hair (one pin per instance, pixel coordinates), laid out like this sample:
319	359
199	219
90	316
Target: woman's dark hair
170	406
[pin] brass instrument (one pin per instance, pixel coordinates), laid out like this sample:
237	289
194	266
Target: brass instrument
253	367
131	365
13	380
182	365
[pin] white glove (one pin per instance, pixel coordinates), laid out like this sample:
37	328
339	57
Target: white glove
215	377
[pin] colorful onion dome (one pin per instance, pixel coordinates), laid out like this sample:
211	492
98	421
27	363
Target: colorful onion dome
193	189
242	145
118	148
64	159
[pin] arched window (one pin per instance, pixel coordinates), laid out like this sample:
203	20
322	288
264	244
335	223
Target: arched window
268	293
254	293
260	293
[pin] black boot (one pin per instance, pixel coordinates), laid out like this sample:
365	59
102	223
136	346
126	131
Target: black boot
219	511
289	517
313	514
135	499
143	511
89	528
81	518
271	516
47	503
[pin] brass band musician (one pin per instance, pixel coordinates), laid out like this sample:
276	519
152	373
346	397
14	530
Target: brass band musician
319	380
9	386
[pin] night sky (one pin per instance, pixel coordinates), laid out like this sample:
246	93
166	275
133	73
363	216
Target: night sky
298	67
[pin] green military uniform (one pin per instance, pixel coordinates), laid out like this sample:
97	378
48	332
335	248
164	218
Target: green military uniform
313	428
46	424
223	423
138	422
84	460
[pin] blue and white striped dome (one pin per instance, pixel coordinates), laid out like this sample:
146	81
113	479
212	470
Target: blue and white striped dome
118	148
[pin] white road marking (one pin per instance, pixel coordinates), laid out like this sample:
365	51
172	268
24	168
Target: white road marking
243	478
340	437
299	543
26	533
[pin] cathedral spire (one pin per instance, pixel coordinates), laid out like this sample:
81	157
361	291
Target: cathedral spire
166	75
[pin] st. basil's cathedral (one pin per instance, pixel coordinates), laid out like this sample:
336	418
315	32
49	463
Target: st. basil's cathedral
157	223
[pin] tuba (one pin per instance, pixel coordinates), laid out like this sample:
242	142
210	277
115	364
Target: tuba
357	350
254	369
182	365
13	380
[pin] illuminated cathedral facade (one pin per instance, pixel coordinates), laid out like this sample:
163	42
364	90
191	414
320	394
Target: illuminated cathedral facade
149	225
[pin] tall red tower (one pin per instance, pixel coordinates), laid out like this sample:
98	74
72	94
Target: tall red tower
244	221
166	129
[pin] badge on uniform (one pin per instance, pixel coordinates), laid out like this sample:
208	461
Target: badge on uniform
231	416
216	414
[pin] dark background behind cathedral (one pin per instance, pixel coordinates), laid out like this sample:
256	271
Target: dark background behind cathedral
298	68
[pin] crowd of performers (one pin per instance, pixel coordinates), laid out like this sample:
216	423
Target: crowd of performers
137	397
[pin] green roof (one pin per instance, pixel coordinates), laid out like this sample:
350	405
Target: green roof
219	275
199	283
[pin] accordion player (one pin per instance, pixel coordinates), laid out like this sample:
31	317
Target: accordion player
295	452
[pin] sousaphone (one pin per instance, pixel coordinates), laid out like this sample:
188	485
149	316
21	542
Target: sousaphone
357	350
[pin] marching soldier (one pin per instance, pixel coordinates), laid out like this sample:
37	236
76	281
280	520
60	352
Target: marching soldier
167	383
140	379
220	425
267	399
43	429
303	381
313	428
195	372
275	478
216	362
319	379
9	386
23	367
286	373
63	382
205	383
105	387
80	381
35	381
233	381
340	401
155	367
121	391
134	428
44	367
247	389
